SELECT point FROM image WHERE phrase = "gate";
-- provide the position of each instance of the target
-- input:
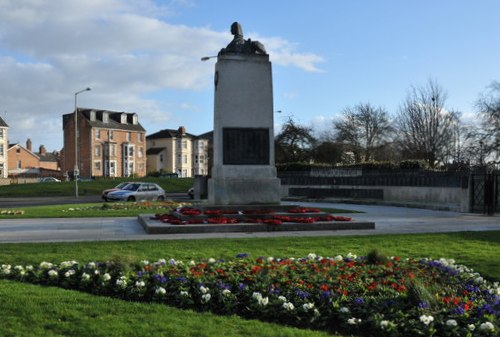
(485, 193)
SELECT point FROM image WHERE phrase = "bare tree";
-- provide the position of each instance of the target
(294, 143)
(425, 128)
(363, 129)
(488, 136)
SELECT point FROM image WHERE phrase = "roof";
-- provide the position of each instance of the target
(114, 120)
(12, 146)
(48, 157)
(2, 123)
(154, 151)
(207, 135)
(168, 133)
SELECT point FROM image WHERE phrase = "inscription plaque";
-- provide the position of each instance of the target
(245, 146)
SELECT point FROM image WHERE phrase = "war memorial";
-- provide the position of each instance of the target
(244, 191)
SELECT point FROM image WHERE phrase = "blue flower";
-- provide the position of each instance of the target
(359, 301)
(242, 255)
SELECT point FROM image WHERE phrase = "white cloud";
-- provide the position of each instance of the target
(123, 49)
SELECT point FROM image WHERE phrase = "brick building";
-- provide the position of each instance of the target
(176, 151)
(4, 146)
(23, 161)
(110, 144)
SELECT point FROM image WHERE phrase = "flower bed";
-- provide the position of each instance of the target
(366, 296)
(216, 216)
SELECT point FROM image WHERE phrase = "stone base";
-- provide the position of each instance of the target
(244, 191)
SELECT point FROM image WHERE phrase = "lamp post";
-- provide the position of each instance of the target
(76, 171)
(206, 58)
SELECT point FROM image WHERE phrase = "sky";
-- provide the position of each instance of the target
(144, 56)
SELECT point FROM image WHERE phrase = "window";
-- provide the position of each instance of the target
(110, 134)
(1, 133)
(161, 158)
(112, 150)
(97, 165)
(141, 167)
(141, 138)
(1, 150)
(129, 136)
(105, 117)
(97, 133)
(97, 150)
(18, 150)
(18, 165)
(184, 144)
(131, 151)
(184, 159)
(140, 152)
(202, 159)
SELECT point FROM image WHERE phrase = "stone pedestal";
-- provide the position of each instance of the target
(243, 169)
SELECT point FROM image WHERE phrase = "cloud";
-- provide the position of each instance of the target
(125, 50)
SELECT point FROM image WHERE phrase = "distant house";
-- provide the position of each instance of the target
(23, 161)
(176, 151)
(110, 144)
(4, 146)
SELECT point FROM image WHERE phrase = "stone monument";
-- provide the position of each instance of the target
(243, 171)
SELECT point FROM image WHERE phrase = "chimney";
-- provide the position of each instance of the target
(28, 144)
(182, 131)
(42, 150)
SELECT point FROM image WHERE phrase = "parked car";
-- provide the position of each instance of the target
(191, 193)
(138, 191)
(120, 186)
(49, 180)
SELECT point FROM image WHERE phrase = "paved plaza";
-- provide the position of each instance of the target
(388, 220)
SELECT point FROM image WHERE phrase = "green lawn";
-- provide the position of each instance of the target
(28, 310)
(173, 185)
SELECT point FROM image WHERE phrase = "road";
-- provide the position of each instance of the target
(40, 201)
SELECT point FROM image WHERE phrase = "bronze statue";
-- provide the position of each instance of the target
(241, 46)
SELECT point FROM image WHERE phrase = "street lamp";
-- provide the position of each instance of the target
(76, 171)
(206, 58)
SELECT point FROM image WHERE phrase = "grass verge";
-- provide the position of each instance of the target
(29, 310)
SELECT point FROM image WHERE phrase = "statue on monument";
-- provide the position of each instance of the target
(241, 46)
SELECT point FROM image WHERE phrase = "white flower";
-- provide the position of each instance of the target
(487, 327)
(69, 273)
(226, 292)
(282, 298)
(91, 265)
(140, 284)
(451, 322)
(471, 327)
(66, 264)
(385, 324)
(288, 306)
(204, 290)
(270, 259)
(29, 267)
(351, 256)
(172, 262)
(211, 260)
(184, 293)
(122, 282)
(106, 277)
(205, 298)
(5, 269)
(144, 262)
(52, 273)
(162, 262)
(353, 321)
(96, 272)
(192, 263)
(257, 295)
(344, 310)
(46, 265)
(311, 256)
(19, 268)
(426, 319)
(338, 258)
(307, 306)
(160, 291)
(85, 277)
(263, 301)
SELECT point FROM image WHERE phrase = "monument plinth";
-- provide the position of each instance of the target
(243, 170)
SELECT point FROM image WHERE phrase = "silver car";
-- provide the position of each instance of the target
(138, 191)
